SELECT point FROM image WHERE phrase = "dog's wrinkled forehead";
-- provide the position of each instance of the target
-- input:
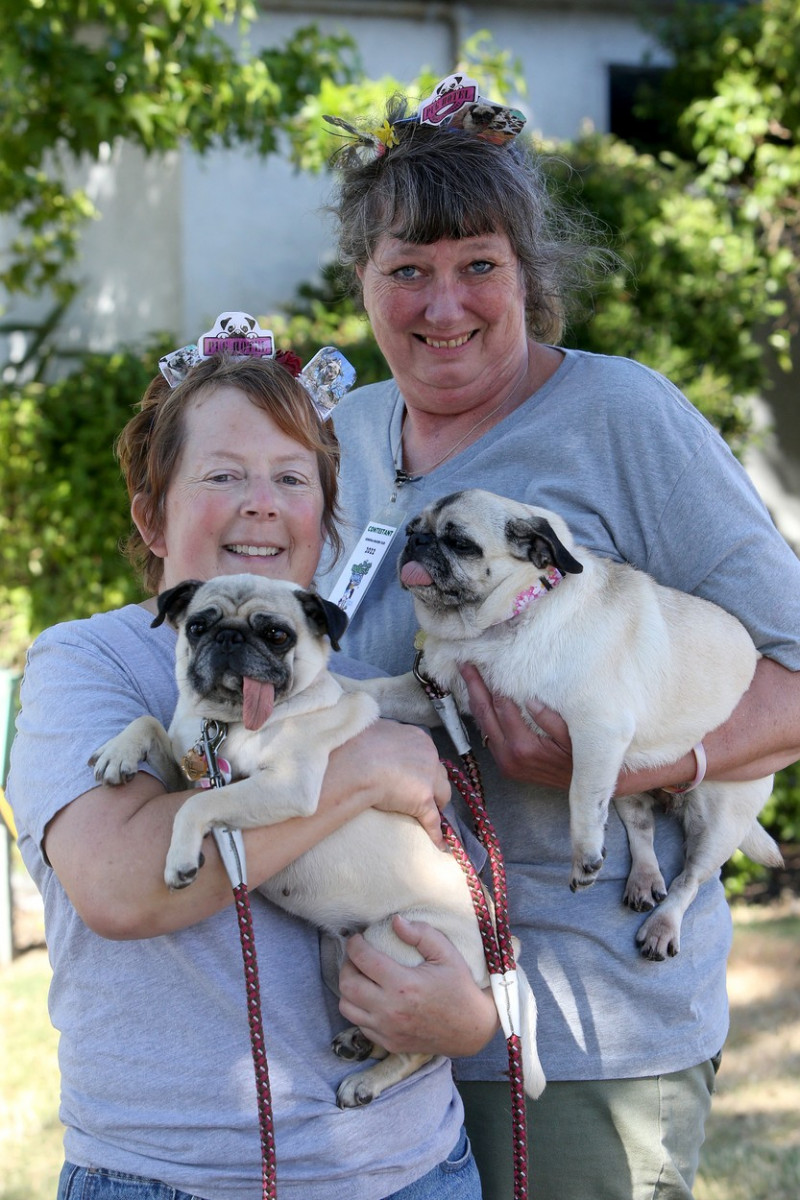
(471, 513)
(241, 596)
(250, 600)
(474, 524)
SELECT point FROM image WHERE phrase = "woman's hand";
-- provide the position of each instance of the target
(520, 752)
(395, 768)
(432, 1008)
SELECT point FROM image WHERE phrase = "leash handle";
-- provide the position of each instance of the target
(445, 706)
(230, 844)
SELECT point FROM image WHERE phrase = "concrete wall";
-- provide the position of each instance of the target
(180, 240)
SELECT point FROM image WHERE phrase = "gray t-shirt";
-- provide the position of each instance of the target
(154, 1050)
(641, 477)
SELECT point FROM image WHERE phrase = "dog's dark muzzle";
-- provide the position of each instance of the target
(418, 544)
(230, 652)
(228, 639)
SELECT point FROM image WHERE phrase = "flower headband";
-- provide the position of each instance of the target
(454, 104)
(326, 377)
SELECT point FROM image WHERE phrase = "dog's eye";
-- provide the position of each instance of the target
(195, 628)
(276, 636)
(463, 546)
(272, 631)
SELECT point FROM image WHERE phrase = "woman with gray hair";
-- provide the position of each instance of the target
(468, 269)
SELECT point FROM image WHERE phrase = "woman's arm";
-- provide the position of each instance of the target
(760, 737)
(108, 847)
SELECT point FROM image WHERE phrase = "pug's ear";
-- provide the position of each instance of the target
(535, 539)
(172, 604)
(323, 616)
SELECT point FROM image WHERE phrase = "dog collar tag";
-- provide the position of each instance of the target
(194, 765)
(362, 565)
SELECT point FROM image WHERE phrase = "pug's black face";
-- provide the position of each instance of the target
(463, 547)
(441, 561)
(246, 641)
(227, 647)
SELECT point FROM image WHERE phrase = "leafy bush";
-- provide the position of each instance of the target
(324, 314)
(781, 817)
(64, 508)
(694, 290)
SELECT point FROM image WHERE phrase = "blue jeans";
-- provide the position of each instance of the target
(95, 1183)
(454, 1179)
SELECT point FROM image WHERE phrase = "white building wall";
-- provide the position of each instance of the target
(180, 240)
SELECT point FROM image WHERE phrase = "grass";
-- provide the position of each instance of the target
(30, 1131)
(752, 1150)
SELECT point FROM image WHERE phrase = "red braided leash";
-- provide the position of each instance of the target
(497, 944)
(245, 918)
(231, 848)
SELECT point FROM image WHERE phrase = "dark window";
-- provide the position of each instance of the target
(633, 108)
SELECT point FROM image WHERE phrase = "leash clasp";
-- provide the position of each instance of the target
(212, 735)
(230, 842)
(445, 706)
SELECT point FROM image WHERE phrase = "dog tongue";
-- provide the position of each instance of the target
(413, 574)
(258, 701)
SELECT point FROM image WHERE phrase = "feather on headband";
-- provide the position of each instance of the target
(454, 104)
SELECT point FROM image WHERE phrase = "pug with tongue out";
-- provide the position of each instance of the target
(252, 655)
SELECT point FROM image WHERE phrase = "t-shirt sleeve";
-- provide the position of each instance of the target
(76, 693)
(717, 539)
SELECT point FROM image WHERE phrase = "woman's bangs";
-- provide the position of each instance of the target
(442, 214)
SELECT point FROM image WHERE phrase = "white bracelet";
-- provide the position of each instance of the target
(699, 752)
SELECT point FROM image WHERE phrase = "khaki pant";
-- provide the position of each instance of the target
(618, 1139)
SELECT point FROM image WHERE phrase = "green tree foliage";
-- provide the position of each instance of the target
(64, 513)
(692, 288)
(733, 99)
(75, 74)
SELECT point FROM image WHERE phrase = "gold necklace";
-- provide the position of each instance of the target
(401, 476)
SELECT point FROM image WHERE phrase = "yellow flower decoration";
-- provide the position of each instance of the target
(387, 135)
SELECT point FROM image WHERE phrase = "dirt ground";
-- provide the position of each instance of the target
(752, 1150)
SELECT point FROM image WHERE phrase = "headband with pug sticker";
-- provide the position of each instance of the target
(326, 377)
(454, 104)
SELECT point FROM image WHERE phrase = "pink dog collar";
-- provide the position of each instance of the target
(551, 578)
